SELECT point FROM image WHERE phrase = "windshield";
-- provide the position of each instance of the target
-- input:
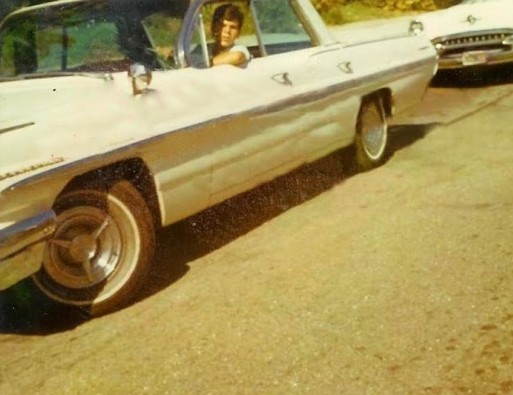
(98, 36)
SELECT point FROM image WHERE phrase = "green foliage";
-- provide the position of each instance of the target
(446, 3)
(344, 11)
(327, 5)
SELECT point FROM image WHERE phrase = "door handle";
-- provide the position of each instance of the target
(282, 78)
(346, 67)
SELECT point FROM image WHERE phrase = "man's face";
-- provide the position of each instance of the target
(227, 33)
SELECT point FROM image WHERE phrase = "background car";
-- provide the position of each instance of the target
(472, 33)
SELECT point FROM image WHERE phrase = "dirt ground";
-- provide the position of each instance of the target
(395, 281)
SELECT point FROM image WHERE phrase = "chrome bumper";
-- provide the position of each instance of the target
(481, 58)
(22, 246)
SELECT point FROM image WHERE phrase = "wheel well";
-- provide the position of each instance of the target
(388, 101)
(133, 170)
(388, 104)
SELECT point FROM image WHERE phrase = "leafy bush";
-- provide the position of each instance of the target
(421, 5)
(344, 11)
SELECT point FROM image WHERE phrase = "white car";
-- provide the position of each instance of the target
(112, 124)
(473, 33)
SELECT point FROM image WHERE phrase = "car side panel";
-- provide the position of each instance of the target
(295, 120)
(188, 158)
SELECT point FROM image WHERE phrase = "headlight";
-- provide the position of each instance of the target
(416, 27)
(508, 41)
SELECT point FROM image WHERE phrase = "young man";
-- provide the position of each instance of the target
(226, 26)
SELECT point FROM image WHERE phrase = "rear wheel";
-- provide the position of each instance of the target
(101, 250)
(371, 133)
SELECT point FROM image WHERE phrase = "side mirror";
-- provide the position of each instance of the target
(140, 77)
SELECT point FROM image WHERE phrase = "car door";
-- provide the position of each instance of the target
(295, 113)
(250, 140)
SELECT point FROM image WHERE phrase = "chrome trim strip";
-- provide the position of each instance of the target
(30, 168)
(16, 127)
(506, 31)
(456, 62)
(21, 235)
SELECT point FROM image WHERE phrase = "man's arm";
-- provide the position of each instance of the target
(236, 56)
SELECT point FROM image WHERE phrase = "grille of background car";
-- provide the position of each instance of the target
(477, 41)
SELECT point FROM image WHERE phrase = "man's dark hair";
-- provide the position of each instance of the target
(227, 12)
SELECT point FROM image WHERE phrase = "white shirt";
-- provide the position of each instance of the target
(243, 49)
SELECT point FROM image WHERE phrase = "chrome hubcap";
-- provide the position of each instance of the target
(82, 248)
(374, 134)
(85, 249)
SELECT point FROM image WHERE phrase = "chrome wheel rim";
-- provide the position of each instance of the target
(93, 252)
(85, 248)
(374, 133)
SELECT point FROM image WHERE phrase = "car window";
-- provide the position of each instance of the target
(18, 55)
(280, 27)
(64, 43)
(103, 36)
(163, 29)
(270, 27)
(86, 46)
(201, 44)
(12, 59)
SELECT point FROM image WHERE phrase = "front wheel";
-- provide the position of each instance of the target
(101, 250)
(371, 133)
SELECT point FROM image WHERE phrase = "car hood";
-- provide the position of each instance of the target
(54, 131)
(467, 18)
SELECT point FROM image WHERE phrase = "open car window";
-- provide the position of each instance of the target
(201, 45)
(269, 28)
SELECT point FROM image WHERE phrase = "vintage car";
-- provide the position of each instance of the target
(112, 124)
(474, 33)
